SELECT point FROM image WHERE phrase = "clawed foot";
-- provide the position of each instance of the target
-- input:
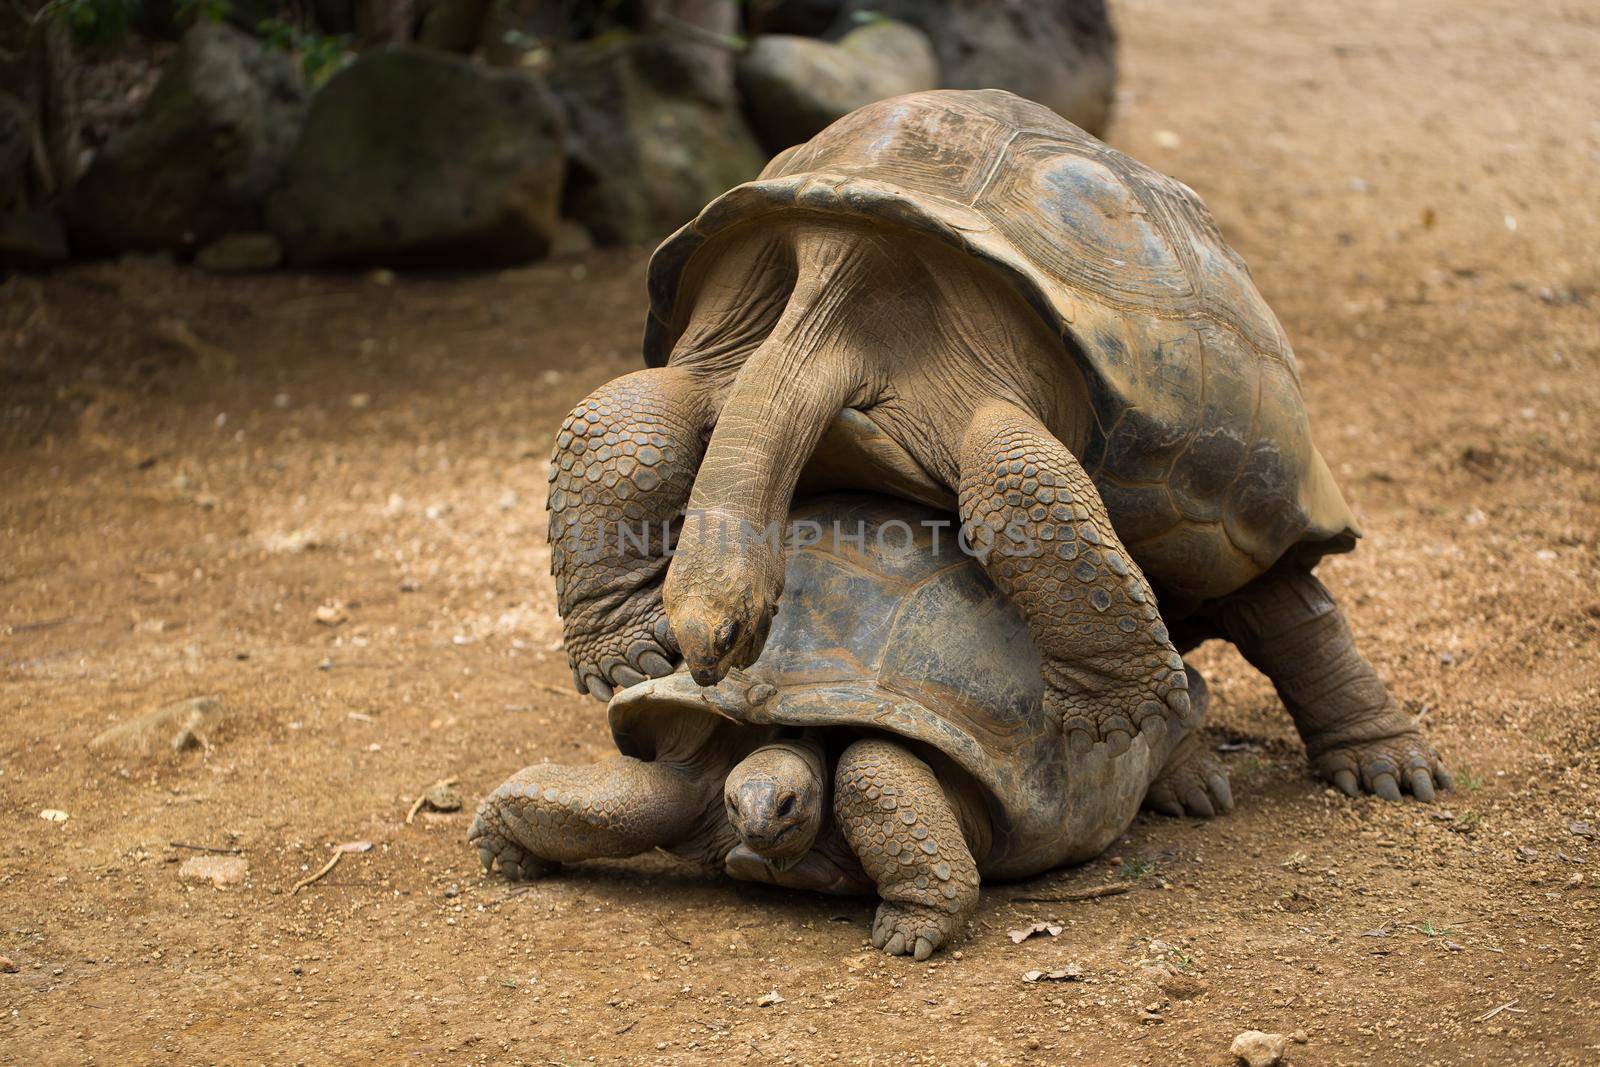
(604, 660)
(1197, 786)
(1088, 718)
(914, 930)
(1386, 766)
(490, 836)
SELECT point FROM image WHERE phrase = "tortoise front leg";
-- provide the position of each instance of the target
(1043, 535)
(908, 838)
(624, 462)
(549, 814)
(1288, 626)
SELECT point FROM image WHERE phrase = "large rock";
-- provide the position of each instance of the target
(39, 136)
(794, 86)
(647, 148)
(410, 156)
(212, 140)
(1060, 54)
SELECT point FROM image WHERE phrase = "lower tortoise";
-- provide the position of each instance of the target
(892, 737)
(961, 299)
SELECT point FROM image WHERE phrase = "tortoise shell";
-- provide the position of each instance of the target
(889, 626)
(1201, 448)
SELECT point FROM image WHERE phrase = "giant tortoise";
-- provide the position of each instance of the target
(900, 681)
(962, 299)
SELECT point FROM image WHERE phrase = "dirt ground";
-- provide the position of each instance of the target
(192, 466)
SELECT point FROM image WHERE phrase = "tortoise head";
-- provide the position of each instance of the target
(777, 798)
(720, 594)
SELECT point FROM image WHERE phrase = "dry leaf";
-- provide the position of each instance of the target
(1019, 936)
(1070, 973)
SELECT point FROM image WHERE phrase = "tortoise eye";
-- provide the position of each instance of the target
(786, 805)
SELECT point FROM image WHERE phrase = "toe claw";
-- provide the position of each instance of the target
(1347, 783)
(600, 689)
(654, 664)
(1198, 803)
(1117, 741)
(923, 950)
(896, 945)
(1221, 792)
(1385, 786)
(625, 676)
(1442, 777)
(1422, 786)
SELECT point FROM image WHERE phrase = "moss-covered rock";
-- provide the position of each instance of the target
(212, 140)
(647, 148)
(794, 86)
(1061, 54)
(411, 156)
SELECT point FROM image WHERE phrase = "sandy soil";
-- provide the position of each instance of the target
(193, 466)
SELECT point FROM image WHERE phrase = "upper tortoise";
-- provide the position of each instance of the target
(961, 298)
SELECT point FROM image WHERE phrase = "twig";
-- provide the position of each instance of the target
(416, 805)
(555, 690)
(326, 867)
(1110, 890)
(208, 848)
(1510, 1005)
(675, 937)
(46, 624)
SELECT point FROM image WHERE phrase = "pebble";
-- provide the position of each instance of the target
(7, 965)
(54, 815)
(1257, 1049)
(220, 871)
(443, 798)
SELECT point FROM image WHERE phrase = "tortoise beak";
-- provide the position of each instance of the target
(710, 651)
(762, 818)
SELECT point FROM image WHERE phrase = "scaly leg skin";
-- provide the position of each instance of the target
(1288, 626)
(549, 814)
(623, 465)
(1110, 669)
(893, 812)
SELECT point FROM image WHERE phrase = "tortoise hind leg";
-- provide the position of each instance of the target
(623, 465)
(1110, 669)
(1288, 626)
(549, 814)
(908, 837)
(1194, 781)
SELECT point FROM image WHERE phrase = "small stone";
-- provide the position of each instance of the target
(442, 798)
(7, 966)
(767, 1000)
(1257, 1049)
(1299, 1037)
(220, 871)
(332, 613)
(54, 815)
(1168, 139)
